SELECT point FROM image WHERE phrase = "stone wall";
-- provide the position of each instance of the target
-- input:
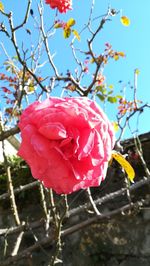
(123, 240)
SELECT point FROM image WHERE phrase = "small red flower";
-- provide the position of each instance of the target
(100, 79)
(62, 5)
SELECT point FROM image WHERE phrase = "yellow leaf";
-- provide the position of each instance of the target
(121, 54)
(66, 32)
(125, 21)
(31, 88)
(125, 165)
(92, 60)
(76, 34)
(116, 57)
(137, 71)
(111, 86)
(115, 125)
(110, 161)
(71, 22)
(1, 6)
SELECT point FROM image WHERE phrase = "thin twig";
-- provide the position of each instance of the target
(110, 196)
(92, 202)
(10, 188)
(53, 208)
(12, 196)
(17, 244)
(123, 128)
(44, 205)
(20, 189)
(24, 226)
(26, 16)
(140, 153)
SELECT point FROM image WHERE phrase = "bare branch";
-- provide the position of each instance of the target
(17, 244)
(44, 205)
(24, 226)
(20, 189)
(26, 16)
(8, 133)
(140, 153)
(92, 202)
(80, 209)
(110, 196)
(12, 196)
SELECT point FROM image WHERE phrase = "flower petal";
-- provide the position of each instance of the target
(53, 131)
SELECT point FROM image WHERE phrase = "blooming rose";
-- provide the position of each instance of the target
(61, 5)
(67, 142)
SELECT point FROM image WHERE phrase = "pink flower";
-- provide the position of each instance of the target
(100, 79)
(67, 142)
(62, 5)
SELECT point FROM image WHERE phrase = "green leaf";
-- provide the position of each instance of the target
(112, 99)
(119, 96)
(101, 88)
(66, 32)
(101, 97)
(1, 6)
(15, 57)
(76, 34)
(110, 92)
(8, 68)
(70, 22)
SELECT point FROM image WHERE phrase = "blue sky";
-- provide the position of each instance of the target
(133, 40)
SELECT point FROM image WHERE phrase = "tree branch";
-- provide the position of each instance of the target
(8, 133)
(26, 16)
